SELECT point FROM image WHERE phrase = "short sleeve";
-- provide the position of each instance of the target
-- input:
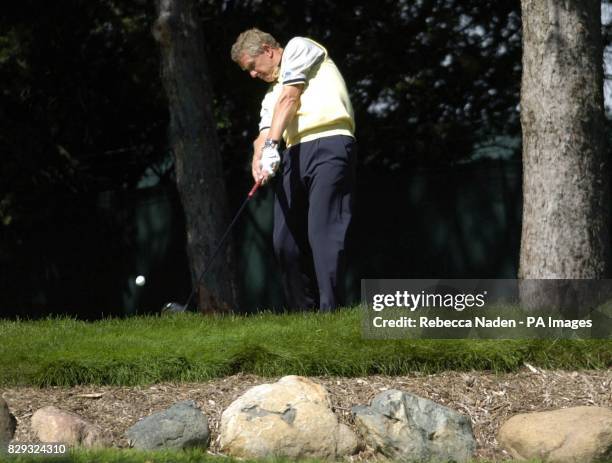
(299, 56)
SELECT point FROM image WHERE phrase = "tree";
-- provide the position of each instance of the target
(79, 112)
(193, 140)
(566, 204)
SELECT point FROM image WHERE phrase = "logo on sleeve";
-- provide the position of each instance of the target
(287, 75)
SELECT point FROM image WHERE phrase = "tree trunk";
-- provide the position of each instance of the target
(565, 232)
(194, 142)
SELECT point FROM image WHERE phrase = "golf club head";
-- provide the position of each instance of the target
(173, 307)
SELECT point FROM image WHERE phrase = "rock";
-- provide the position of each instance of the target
(51, 424)
(578, 434)
(8, 424)
(181, 426)
(405, 427)
(290, 418)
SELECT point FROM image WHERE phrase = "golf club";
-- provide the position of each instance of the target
(175, 306)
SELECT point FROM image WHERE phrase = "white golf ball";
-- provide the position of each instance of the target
(140, 280)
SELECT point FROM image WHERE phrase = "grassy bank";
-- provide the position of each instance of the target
(190, 347)
(164, 456)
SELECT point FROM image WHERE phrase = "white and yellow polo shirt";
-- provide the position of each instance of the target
(325, 108)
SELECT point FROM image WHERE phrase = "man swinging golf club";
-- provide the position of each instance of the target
(307, 104)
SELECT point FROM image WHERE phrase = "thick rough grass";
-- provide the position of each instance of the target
(191, 347)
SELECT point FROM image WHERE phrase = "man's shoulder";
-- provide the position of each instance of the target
(299, 57)
(297, 41)
(299, 44)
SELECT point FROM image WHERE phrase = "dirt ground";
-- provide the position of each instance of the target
(487, 398)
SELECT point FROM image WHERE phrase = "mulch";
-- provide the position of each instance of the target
(487, 398)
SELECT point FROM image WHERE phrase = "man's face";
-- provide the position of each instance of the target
(262, 66)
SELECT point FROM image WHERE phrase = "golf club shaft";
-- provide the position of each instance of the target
(223, 238)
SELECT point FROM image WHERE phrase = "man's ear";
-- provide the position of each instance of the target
(267, 49)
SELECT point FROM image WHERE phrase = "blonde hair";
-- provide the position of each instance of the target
(251, 42)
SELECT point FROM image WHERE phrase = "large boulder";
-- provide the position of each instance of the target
(8, 424)
(405, 427)
(51, 424)
(290, 418)
(181, 426)
(576, 435)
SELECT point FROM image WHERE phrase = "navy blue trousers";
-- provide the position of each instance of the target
(312, 214)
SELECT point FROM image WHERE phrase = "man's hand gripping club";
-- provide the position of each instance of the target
(266, 158)
(270, 160)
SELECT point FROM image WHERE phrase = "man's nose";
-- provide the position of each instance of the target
(253, 74)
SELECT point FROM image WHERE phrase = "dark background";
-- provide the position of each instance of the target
(87, 195)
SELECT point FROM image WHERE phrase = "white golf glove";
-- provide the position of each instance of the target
(270, 158)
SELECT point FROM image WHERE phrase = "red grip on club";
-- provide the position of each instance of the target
(254, 189)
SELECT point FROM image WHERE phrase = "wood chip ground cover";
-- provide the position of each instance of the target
(487, 398)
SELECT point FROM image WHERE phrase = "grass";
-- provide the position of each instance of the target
(190, 347)
(161, 456)
(122, 456)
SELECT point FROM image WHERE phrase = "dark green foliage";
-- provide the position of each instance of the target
(82, 108)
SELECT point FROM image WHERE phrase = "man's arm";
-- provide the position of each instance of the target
(284, 110)
(257, 147)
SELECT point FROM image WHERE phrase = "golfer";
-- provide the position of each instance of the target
(307, 105)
